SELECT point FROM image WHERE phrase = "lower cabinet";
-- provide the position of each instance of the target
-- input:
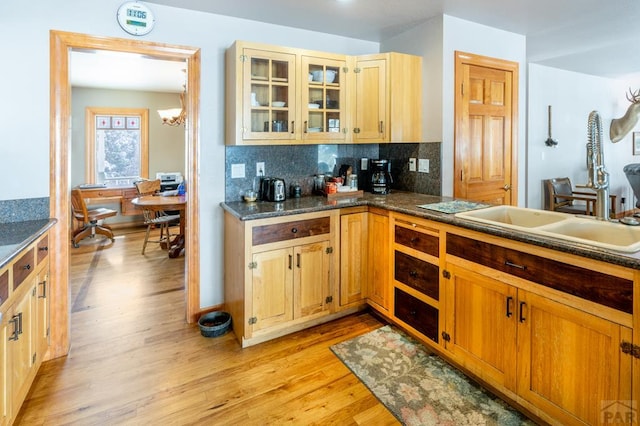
(562, 361)
(24, 325)
(378, 265)
(289, 284)
(354, 255)
(281, 274)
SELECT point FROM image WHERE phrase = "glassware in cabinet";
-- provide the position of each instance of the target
(323, 98)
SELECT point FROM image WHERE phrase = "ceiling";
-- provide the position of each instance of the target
(588, 36)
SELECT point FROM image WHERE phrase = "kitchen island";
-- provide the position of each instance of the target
(523, 313)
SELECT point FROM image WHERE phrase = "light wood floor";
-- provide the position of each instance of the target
(134, 360)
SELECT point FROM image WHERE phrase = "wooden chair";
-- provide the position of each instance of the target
(89, 219)
(560, 196)
(156, 218)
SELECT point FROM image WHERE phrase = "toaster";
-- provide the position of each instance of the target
(272, 189)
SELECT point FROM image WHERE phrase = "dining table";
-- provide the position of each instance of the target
(166, 203)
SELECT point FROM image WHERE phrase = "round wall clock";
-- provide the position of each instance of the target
(135, 18)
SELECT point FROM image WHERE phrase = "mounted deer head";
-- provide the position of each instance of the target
(623, 125)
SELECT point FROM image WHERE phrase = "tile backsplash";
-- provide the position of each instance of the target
(297, 164)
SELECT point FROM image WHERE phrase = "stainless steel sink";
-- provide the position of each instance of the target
(580, 229)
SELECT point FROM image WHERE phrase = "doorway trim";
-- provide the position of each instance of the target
(59, 169)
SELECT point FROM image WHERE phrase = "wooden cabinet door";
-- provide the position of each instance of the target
(272, 289)
(371, 101)
(353, 257)
(311, 279)
(570, 362)
(5, 378)
(268, 77)
(324, 99)
(42, 328)
(21, 347)
(480, 321)
(379, 285)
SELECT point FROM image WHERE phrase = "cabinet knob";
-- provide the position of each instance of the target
(26, 267)
(413, 274)
(44, 248)
(294, 230)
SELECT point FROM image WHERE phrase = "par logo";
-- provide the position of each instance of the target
(619, 413)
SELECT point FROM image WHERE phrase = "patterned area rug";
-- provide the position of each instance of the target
(418, 387)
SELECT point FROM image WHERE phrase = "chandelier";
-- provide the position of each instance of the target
(174, 116)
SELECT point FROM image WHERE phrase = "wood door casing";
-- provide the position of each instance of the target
(486, 99)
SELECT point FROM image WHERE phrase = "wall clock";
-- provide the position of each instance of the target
(135, 18)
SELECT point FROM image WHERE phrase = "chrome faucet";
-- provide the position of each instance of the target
(598, 176)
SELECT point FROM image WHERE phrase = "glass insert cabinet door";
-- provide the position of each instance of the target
(323, 99)
(269, 95)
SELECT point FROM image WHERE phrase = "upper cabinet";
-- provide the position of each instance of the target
(280, 95)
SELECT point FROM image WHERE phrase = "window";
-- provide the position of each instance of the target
(117, 145)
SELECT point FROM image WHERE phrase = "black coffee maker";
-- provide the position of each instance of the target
(380, 179)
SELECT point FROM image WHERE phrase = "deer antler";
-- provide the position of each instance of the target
(635, 96)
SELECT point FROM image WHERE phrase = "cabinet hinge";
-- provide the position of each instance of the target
(243, 58)
(253, 320)
(253, 265)
(329, 250)
(329, 299)
(630, 348)
(446, 274)
(446, 337)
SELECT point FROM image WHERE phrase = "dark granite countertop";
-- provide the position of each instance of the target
(408, 202)
(16, 236)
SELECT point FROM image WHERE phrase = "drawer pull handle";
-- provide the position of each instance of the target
(522, 305)
(298, 260)
(414, 240)
(515, 265)
(44, 248)
(26, 267)
(413, 274)
(294, 230)
(290, 261)
(413, 313)
(509, 300)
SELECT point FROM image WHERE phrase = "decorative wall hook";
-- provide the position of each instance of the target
(550, 141)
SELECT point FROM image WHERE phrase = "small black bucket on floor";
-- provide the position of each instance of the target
(214, 324)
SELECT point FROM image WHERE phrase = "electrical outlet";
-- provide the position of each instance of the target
(412, 164)
(237, 171)
(260, 169)
(423, 165)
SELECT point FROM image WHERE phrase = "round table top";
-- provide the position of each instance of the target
(168, 203)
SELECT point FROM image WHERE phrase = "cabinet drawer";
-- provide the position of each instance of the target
(417, 314)
(102, 193)
(4, 286)
(290, 230)
(417, 240)
(43, 249)
(22, 268)
(417, 274)
(598, 287)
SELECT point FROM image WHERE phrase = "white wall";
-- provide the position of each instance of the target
(24, 143)
(572, 97)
